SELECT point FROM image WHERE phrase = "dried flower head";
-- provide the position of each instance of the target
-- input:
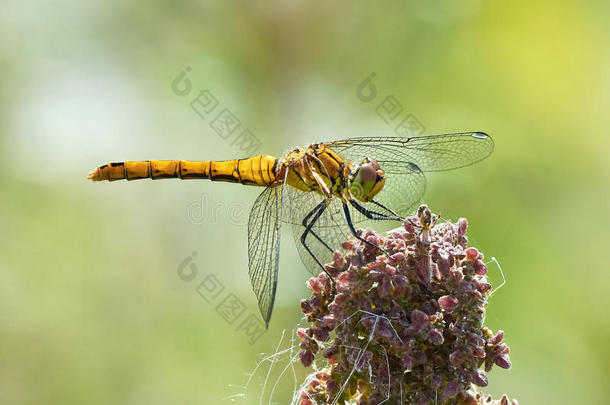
(403, 329)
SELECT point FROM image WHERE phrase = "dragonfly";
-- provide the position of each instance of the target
(323, 191)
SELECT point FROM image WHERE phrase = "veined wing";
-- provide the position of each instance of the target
(430, 153)
(404, 161)
(264, 247)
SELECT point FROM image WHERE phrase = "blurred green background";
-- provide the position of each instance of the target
(93, 310)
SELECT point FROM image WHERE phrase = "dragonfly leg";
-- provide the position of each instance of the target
(377, 216)
(397, 217)
(381, 217)
(316, 212)
(394, 214)
(306, 219)
(360, 238)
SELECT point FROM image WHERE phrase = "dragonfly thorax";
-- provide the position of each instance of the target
(319, 169)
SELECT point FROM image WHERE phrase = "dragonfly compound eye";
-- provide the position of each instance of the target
(367, 180)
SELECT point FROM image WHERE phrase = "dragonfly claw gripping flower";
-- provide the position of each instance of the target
(403, 329)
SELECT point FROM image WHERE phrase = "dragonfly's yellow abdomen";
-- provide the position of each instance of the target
(258, 170)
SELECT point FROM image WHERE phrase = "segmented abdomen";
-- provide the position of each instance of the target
(258, 170)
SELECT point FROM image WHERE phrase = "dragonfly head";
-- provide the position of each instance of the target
(366, 180)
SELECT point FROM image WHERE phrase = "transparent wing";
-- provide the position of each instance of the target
(329, 231)
(430, 153)
(264, 247)
(404, 161)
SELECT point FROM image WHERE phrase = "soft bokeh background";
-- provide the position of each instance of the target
(93, 310)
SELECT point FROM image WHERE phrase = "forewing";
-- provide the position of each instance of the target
(429, 153)
(264, 247)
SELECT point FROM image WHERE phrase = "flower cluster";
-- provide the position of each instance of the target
(404, 326)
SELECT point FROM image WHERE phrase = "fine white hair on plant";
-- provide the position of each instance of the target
(292, 359)
(360, 353)
(503, 278)
(377, 317)
(288, 354)
(493, 291)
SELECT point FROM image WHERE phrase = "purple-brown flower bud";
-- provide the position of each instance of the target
(306, 357)
(436, 337)
(480, 379)
(503, 361)
(451, 390)
(448, 302)
(314, 285)
(472, 254)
